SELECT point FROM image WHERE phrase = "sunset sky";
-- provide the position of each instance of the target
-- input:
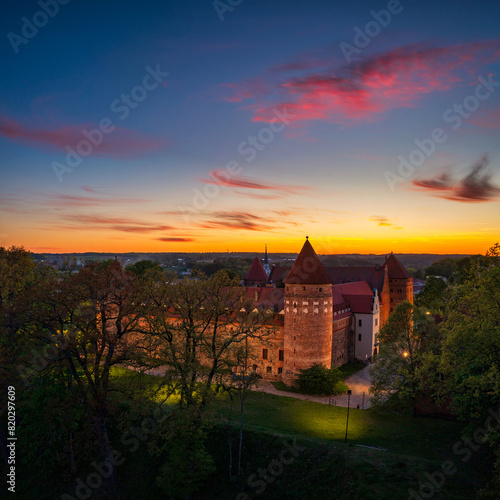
(155, 126)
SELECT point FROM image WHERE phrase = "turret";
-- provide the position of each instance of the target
(308, 315)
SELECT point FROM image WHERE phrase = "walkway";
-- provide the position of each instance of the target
(359, 383)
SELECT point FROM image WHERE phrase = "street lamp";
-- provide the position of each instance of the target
(347, 422)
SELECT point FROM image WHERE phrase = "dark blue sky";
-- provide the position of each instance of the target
(160, 178)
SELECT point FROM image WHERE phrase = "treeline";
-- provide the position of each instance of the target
(444, 351)
(74, 346)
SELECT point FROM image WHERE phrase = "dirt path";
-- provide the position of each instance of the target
(359, 383)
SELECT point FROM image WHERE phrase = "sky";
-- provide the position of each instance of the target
(370, 126)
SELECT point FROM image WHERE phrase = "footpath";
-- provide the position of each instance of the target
(359, 383)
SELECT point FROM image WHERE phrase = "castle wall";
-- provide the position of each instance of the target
(342, 348)
(399, 291)
(307, 328)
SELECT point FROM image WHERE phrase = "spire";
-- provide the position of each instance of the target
(308, 269)
(266, 263)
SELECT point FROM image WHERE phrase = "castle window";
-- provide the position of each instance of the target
(321, 289)
(264, 353)
(360, 322)
(359, 337)
(269, 370)
(376, 321)
(391, 290)
(391, 301)
(280, 370)
(295, 304)
(281, 355)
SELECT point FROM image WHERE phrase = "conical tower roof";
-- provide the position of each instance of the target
(256, 271)
(308, 269)
(396, 269)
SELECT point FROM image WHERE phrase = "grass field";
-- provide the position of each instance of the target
(415, 447)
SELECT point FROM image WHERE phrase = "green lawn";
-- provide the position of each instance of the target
(415, 446)
(426, 438)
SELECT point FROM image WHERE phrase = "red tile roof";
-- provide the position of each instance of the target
(372, 275)
(308, 269)
(256, 271)
(356, 295)
(396, 269)
(359, 303)
(264, 297)
(277, 273)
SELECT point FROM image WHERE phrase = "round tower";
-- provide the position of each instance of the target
(308, 317)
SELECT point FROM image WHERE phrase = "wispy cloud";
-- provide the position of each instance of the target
(476, 186)
(222, 178)
(376, 84)
(486, 118)
(121, 142)
(66, 200)
(167, 239)
(380, 220)
(237, 220)
(102, 222)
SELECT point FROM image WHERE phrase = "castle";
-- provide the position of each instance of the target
(327, 315)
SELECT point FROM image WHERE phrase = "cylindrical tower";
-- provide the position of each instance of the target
(308, 315)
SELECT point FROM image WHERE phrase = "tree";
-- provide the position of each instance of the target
(142, 267)
(442, 267)
(408, 333)
(194, 330)
(470, 359)
(89, 317)
(432, 295)
(18, 275)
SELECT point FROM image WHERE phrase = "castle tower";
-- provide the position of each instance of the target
(256, 275)
(400, 282)
(308, 317)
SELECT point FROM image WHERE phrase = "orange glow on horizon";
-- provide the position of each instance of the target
(460, 244)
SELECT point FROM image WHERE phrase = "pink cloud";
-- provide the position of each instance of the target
(238, 220)
(486, 119)
(121, 142)
(222, 178)
(376, 84)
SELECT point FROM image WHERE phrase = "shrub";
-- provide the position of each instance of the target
(319, 380)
